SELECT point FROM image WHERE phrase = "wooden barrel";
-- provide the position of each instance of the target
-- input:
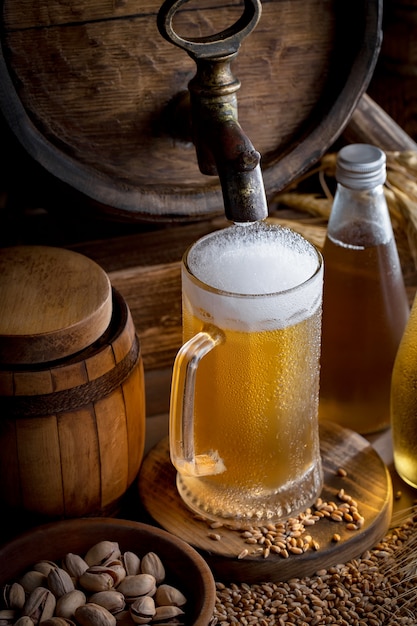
(72, 430)
(92, 92)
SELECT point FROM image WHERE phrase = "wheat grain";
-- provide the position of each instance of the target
(376, 589)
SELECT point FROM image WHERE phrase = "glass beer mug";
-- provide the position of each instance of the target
(244, 399)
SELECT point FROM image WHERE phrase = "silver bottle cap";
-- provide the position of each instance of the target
(361, 166)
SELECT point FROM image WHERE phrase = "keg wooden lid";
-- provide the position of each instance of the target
(53, 303)
(93, 92)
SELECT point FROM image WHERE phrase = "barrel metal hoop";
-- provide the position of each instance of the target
(68, 400)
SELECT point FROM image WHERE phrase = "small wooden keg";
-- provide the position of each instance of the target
(72, 407)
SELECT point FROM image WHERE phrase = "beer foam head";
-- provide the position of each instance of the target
(255, 273)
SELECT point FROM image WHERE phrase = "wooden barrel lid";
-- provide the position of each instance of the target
(53, 303)
(89, 89)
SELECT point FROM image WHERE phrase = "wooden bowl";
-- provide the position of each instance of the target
(185, 568)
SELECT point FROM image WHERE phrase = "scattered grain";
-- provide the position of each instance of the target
(244, 553)
(216, 525)
(375, 589)
(289, 537)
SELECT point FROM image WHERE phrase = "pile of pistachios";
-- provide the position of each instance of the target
(105, 587)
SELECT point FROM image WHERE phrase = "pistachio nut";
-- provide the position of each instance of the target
(24, 620)
(165, 613)
(58, 621)
(123, 618)
(133, 587)
(102, 552)
(116, 569)
(142, 610)
(44, 566)
(112, 600)
(152, 564)
(67, 604)
(169, 595)
(94, 615)
(96, 578)
(39, 605)
(59, 582)
(7, 617)
(131, 561)
(32, 579)
(14, 596)
(74, 564)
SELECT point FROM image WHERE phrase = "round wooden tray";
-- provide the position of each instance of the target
(368, 482)
(89, 89)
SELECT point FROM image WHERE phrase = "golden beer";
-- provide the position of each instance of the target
(255, 402)
(404, 403)
(364, 316)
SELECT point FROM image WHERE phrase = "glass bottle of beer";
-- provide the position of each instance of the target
(365, 305)
(404, 403)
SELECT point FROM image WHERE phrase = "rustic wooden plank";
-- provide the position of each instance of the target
(157, 391)
(371, 124)
(143, 247)
(154, 298)
(394, 82)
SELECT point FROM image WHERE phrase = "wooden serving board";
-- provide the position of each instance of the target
(367, 481)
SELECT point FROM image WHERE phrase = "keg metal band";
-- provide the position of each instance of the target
(72, 399)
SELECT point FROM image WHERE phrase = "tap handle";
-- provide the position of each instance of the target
(224, 43)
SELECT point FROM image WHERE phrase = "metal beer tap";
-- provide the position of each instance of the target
(222, 147)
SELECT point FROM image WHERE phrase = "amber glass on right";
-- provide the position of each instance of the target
(404, 403)
(365, 305)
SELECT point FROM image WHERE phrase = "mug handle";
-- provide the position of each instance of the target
(181, 418)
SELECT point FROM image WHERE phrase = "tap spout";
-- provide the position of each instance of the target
(222, 147)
